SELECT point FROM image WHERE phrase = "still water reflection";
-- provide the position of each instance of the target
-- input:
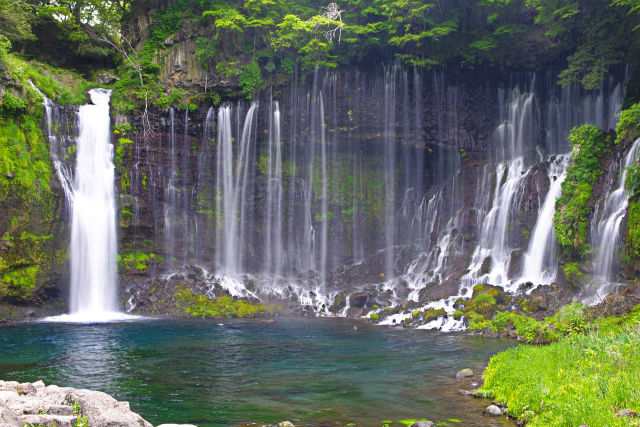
(213, 374)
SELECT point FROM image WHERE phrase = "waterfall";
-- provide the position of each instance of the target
(202, 189)
(93, 292)
(539, 263)
(389, 168)
(232, 172)
(605, 233)
(273, 249)
(491, 259)
(171, 193)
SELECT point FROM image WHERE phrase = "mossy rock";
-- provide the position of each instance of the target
(432, 314)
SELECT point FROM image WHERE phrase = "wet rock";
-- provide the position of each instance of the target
(464, 373)
(486, 266)
(286, 424)
(493, 411)
(423, 424)
(467, 393)
(339, 302)
(107, 78)
(358, 299)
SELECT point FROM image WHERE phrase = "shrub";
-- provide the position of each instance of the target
(628, 126)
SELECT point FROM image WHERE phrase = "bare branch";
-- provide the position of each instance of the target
(332, 14)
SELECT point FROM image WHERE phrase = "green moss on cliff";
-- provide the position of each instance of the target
(588, 146)
(198, 305)
(31, 211)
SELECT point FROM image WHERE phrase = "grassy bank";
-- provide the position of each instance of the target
(583, 379)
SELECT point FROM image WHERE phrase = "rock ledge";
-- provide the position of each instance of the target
(37, 404)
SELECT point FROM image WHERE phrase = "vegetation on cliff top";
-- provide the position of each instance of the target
(258, 42)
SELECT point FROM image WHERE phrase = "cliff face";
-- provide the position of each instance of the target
(33, 225)
(390, 183)
(338, 191)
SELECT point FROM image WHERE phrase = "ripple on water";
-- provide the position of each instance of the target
(213, 374)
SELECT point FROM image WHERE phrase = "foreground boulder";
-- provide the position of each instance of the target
(37, 404)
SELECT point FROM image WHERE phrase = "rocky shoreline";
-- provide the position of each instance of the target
(36, 404)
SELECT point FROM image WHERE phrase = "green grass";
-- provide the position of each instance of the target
(583, 379)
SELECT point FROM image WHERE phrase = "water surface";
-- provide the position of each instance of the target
(212, 373)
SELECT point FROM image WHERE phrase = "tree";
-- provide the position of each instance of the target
(15, 18)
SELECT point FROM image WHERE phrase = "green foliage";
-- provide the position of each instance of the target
(250, 79)
(628, 125)
(19, 284)
(432, 314)
(222, 307)
(633, 229)
(206, 50)
(572, 273)
(588, 145)
(580, 380)
(483, 304)
(137, 261)
(15, 20)
(81, 420)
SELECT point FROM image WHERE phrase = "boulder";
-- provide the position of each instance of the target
(358, 299)
(8, 418)
(103, 410)
(286, 424)
(423, 424)
(493, 411)
(464, 373)
(107, 78)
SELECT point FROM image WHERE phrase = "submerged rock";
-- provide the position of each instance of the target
(464, 373)
(423, 424)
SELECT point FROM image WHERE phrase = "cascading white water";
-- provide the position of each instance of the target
(512, 135)
(540, 265)
(232, 182)
(605, 233)
(274, 219)
(93, 292)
